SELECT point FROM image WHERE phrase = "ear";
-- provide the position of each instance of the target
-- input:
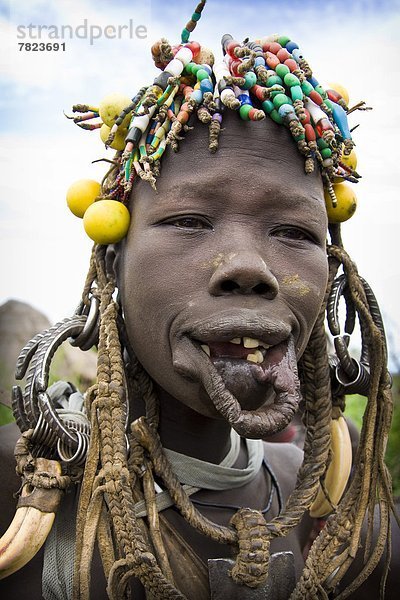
(112, 260)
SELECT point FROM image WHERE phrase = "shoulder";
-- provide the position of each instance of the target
(284, 461)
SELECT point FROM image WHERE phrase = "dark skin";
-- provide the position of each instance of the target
(211, 223)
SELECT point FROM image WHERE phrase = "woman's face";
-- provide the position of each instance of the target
(228, 256)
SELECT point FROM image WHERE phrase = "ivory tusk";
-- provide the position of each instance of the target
(30, 526)
(338, 472)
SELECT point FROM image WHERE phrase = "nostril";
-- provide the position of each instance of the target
(261, 288)
(229, 286)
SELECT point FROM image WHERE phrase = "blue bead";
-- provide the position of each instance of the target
(197, 96)
(297, 54)
(340, 117)
(259, 61)
(206, 86)
(313, 81)
(244, 99)
(290, 46)
(286, 110)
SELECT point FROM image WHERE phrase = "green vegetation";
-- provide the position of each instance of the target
(355, 406)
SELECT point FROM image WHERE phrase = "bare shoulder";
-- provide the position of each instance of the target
(284, 460)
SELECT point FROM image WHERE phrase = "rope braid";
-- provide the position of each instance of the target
(253, 79)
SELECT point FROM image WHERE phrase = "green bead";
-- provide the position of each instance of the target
(328, 103)
(267, 106)
(280, 99)
(202, 74)
(185, 35)
(275, 116)
(321, 143)
(196, 16)
(274, 80)
(300, 137)
(250, 79)
(296, 92)
(306, 87)
(188, 69)
(283, 40)
(291, 80)
(244, 111)
(326, 153)
(195, 68)
(321, 91)
(282, 70)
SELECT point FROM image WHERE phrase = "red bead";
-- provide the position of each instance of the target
(307, 118)
(252, 114)
(275, 47)
(234, 66)
(323, 125)
(259, 92)
(266, 46)
(310, 133)
(183, 116)
(292, 64)
(175, 49)
(315, 97)
(194, 47)
(230, 48)
(334, 96)
(272, 60)
(188, 90)
(283, 55)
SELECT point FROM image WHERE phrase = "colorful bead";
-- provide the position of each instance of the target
(282, 70)
(283, 40)
(280, 99)
(250, 79)
(290, 46)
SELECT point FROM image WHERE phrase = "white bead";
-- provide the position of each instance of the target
(175, 67)
(225, 93)
(185, 55)
(141, 122)
(316, 113)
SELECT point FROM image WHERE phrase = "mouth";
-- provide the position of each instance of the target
(239, 348)
(239, 366)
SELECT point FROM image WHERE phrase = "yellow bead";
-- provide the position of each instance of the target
(111, 107)
(81, 194)
(340, 90)
(106, 221)
(118, 142)
(346, 203)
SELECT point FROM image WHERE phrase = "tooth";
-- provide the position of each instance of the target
(235, 341)
(250, 342)
(257, 357)
(205, 349)
(266, 346)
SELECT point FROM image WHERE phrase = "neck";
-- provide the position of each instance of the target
(185, 431)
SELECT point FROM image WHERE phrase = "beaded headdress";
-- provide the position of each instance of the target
(265, 78)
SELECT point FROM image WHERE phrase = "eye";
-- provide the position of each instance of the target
(189, 222)
(293, 233)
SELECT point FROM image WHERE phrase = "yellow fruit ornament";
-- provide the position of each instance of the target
(111, 107)
(106, 221)
(346, 203)
(81, 194)
(340, 90)
(118, 142)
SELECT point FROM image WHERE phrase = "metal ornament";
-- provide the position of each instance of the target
(54, 435)
(348, 375)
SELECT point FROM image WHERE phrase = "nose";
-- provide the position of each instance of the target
(243, 273)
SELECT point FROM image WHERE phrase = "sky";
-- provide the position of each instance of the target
(43, 246)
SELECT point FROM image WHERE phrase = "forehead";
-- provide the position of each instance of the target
(256, 165)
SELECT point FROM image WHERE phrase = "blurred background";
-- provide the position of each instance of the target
(43, 246)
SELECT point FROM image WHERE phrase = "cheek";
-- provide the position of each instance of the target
(304, 286)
